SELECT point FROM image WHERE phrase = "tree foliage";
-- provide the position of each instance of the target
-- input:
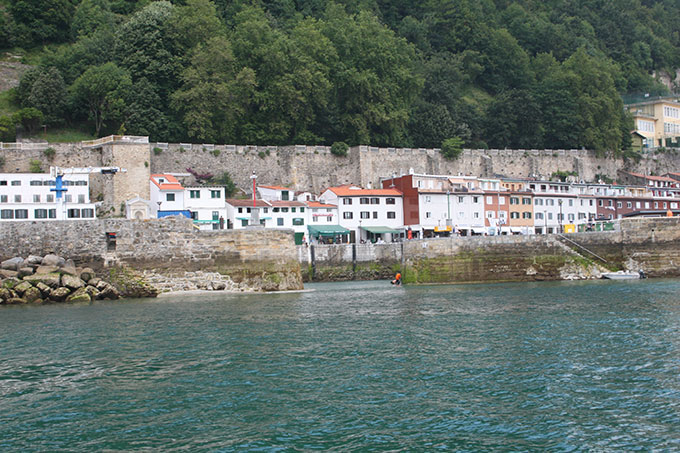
(510, 73)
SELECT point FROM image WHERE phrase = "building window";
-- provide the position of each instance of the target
(302, 209)
(475, 215)
(550, 216)
(539, 216)
(73, 213)
(36, 183)
(240, 210)
(194, 194)
(475, 199)
(284, 195)
(629, 204)
(292, 209)
(17, 198)
(375, 200)
(3, 183)
(363, 201)
(365, 215)
(284, 209)
(460, 199)
(298, 222)
(514, 200)
(265, 210)
(390, 201)
(40, 213)
(571, 202)
(6, 214)
(375, 214)
(169, 197)
(619, 204)
(428, 215)
(214, 194)
(391, 215)
(36, 198)
(21, 213)
(81, 198)
(346, 201)
(244, 223)
(526, 215)
(514, 215)
(428, 199)
(88, 213)
(16, 183)
(3, 198)
(347, 215)
(526, 200)
(52, 213)
(570, 217)
(216, 215)
(599, 202)
(279, 221)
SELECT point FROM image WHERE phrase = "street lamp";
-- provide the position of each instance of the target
(159, 209)
(545, 220)
(559, 202)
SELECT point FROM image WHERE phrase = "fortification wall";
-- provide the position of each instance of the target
(314, 167)
(262, 258)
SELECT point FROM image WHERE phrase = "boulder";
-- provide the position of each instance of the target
(46, 269)
(218, 286)
(59, 294)
(24, 271)
(32, 295)
(34, 259)
(13, 264)
(71, 281)
(69, 270)
(80, 295)
(44, 289)
(107, 291)
(87, 274)
(53, 260)
(22, 287)
(10, 283)
(94, 281)
(93, 292)
(52, 280)
(16, 301)
(5, 295)
(6, 273)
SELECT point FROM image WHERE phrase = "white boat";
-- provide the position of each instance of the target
(623, 275)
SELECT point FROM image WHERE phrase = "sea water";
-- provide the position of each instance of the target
(356, 366)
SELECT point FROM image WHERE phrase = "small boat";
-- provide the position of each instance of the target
(624, 275)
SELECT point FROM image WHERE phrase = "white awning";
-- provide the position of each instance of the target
(478, 230)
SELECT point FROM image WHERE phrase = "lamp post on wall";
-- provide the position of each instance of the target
(158, 213)
(559, 202)
(545, 220)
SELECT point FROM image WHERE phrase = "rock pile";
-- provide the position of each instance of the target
(50, 278)
(191, 281)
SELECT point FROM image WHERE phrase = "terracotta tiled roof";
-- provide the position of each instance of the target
(348, 191)
(170, 184)
(316, 204)
(286, 203)
(248, 203)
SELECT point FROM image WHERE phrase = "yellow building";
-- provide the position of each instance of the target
(657, 120)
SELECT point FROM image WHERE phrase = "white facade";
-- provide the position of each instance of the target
(467, 211)
(365, 208)
(166, 190)
(207, 206)
(27, 196)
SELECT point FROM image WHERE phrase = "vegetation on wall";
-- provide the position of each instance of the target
(516, 74)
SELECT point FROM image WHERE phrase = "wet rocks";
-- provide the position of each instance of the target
(51, 278)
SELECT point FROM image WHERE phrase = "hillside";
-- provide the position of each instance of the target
(515, 74)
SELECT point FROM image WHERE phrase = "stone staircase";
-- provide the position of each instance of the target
(575, 249)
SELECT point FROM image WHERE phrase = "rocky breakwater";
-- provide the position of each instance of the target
(51, 278)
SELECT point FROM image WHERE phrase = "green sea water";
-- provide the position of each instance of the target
(357, 366)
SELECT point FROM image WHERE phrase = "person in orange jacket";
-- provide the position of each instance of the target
(397, 279)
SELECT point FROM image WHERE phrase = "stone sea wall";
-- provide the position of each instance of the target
(652, 245)
(253, 259)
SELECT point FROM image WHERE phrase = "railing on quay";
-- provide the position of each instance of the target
(114, 138)
(24, 146)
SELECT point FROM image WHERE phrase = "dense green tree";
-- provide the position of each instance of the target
(101, 94)
(216, 93)
(41, 21)
(29, 118)
(48, 94)
(514, 121)
(142, 116)
(195, 23)
(90, 15)
(7, 129)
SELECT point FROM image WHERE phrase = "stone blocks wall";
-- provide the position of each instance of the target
(263, 258)
(649, 244)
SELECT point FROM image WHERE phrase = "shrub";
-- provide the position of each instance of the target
(226, 181)
(35, 166)
(339, 149)
(2, 161)
(452, 148)
(146, 164)
(49, 153)
(157, 150)
(215, 152)
(261, 154)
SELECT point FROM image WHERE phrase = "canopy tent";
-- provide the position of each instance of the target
(326, 230)
(380, 230)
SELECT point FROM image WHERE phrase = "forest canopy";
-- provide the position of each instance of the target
(493, 73)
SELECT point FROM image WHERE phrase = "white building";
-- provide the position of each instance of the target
(168, 194)
(206, 206)
(28, 196)
(371, 214)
